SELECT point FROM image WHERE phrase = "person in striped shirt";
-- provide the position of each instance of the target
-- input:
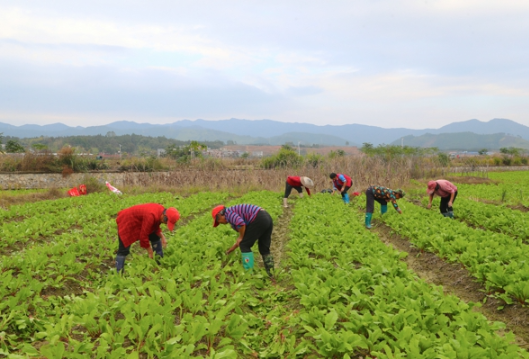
(297, 183)
(253, 224)
(382, 195)
(448, 193)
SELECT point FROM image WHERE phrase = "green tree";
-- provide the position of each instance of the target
(367, 148)
(314, 159)
(483, 151)
(185, 153)
(443, 158)
(286, 157)
(337, 153)
(13, 146)
(39, 147)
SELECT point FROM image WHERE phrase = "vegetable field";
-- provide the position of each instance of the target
(340, 290)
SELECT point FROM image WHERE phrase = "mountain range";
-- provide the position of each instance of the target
(251, 132)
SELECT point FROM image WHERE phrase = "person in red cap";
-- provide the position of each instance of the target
(142, 222)
(297, 183)
(253, 224)
(448, 193)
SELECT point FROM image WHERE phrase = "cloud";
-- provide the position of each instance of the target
(376, 62)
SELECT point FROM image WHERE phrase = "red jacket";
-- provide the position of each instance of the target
(338, 183)
(137, 222)
(295, 181)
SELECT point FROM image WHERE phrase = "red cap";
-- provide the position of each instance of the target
(172, 217)
(431, 187)
(214, 213)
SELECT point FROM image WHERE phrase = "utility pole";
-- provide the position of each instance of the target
(299, 150)
(120, 152)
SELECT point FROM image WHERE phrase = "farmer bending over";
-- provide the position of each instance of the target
(253, 224)
(448, 193)
(341, 183)
(382, 195)
(142, 222)
(297, 183)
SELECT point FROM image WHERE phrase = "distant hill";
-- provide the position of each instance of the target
(464, 141)
(497, 125)
(247, 132)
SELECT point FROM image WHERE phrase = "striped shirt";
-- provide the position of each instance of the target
(241, 215)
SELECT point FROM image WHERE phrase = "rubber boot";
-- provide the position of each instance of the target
(268, 261)
(247, 260)
(450, 214)
(285, 202)
(368, 220)
(383, 208)
(445, 214)
(157, 248)
(346, 198)
(301, 195)
(120, 262)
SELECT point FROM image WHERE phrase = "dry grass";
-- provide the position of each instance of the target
(239, 176)
(364, 171)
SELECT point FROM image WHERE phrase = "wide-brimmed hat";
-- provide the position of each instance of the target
(307, 182)
(214, 213)
(431, 187)
(172, 217)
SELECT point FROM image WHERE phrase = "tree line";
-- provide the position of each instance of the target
(109, 143)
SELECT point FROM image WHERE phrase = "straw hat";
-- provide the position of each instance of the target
(307, 182)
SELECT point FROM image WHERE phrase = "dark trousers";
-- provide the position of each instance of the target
(124, 251)
(288, 190)
(345, 190)
(370, 201)
(259, 230)
(443, 207)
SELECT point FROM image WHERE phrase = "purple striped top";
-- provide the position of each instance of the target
(241, 215)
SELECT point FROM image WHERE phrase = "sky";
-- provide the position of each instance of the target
(387, 63)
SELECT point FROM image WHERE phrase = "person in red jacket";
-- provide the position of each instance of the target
(341, 183)
(297, 183)
(142, 223)
(448, 193)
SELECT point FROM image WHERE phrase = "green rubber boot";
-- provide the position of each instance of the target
(368, 220)
(268, 261)
(451, 214)
(247, 261)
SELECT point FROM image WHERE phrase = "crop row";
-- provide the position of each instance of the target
(510, 188)
(497, 260)
(359, 298)
(169, 311)
(34, 279)
(493, 217)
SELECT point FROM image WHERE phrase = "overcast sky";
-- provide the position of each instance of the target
(387, 63)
